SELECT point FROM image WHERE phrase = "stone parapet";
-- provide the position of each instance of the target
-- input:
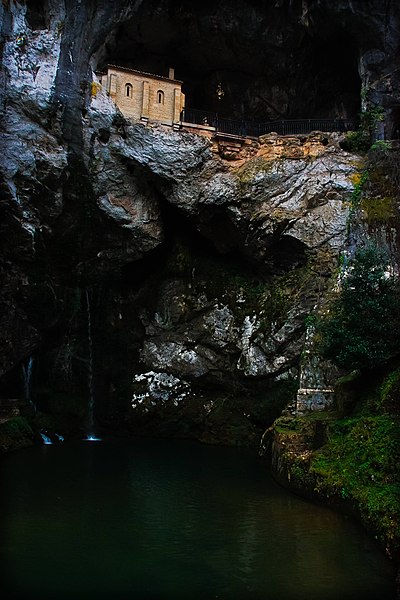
(314, 399)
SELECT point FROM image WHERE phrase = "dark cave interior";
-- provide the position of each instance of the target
(270, 63)
(269, 66)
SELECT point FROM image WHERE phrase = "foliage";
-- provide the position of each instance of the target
(15, 426)
(377, 186)
(389, 393)
(378, 210)
(381, 146)
(360, 141)
(359, 183)
(15, 433)
(361, 328)
(384, 162)
(360, 463)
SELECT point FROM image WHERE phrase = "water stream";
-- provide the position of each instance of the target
(27, 375)
(90, 367)
(173, 519)
(90, 436)
(46, 439)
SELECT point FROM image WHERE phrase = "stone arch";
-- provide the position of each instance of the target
(160, 97)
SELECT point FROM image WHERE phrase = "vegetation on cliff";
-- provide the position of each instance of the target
(348, 456)
(350, 460)
(361, 328)
(359, 463)
(15, 433)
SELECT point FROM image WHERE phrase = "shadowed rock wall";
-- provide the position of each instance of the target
(196, 272)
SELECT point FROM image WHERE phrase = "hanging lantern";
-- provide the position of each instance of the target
(219, 91)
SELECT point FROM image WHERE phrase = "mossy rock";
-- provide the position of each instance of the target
(379, 210)
(360, 463)
(258, 165)
(389, 393)
(16, 433)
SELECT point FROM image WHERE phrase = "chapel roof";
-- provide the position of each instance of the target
(137, 72)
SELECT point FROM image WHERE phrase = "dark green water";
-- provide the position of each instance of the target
(172, 519)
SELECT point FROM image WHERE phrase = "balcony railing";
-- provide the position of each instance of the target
(244, 128)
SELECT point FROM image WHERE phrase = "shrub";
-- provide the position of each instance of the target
(361, 328)
(361, 140)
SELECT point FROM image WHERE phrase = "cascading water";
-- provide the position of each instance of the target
(27, 375)
(90, 437)
(46, 440)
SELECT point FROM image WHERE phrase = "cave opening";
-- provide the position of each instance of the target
(36, 14)
(211, 241)
(187, 243)
(266, 63)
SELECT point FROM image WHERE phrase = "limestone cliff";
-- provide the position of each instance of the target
(195, 263)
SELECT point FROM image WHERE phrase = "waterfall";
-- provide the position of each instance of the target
(47, 441)
(91, 437)
(90, 366)
(27, 375)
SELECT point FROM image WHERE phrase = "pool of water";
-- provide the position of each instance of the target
(172, 519)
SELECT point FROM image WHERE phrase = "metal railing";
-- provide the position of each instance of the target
(244, 128)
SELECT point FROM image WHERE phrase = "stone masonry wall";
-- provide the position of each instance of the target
(144, 100)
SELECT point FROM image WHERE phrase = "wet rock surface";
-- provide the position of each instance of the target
(129, 249)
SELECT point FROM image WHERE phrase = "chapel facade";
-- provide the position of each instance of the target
(143, 96)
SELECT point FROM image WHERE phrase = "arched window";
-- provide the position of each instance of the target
(160, 97)
(128, 90)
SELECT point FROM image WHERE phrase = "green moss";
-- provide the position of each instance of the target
(389, 393)
(360, 463)
(15, 426)
(231, 283)
(378, 210)
(360, 141)
(285, 430)
(245, 290)
(15, 433)
(357, 141)
(258, 165)
(353, 460)
(291, 288)
(376, 187)
(299, 470)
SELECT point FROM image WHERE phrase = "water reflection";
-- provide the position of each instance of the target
(174, 520)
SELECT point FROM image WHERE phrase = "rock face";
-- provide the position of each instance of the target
(167, 274)
(269, 57)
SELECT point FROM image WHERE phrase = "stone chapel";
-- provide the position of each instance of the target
(143, 96)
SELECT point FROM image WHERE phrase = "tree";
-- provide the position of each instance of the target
(361, 328)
